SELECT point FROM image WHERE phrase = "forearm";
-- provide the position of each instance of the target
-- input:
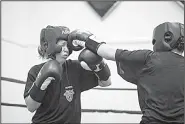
(31, 104)
(93, 62)
(101, 48)
(104, 75)
(34, 96)
(107, 52)
(33, 100)
(88, 40)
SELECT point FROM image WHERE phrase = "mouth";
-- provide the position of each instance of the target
(65, 54)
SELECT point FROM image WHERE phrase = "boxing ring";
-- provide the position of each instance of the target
(90, 114)
(117, 103)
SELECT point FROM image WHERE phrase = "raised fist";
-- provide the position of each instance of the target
(77, 39)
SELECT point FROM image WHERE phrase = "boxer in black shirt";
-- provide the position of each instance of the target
(158, 74)
(53, 88)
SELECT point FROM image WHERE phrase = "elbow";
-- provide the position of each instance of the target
(105, 83)
(31, 109)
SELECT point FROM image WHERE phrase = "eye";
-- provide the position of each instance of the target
(153, 42)
(62, 43)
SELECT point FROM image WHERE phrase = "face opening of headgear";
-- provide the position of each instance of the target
(168, 36)
(49, 37)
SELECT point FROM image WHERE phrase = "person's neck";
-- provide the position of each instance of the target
(61, 61)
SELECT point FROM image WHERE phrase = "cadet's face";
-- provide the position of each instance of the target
(65, 51)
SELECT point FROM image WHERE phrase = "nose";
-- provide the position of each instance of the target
(65, 49)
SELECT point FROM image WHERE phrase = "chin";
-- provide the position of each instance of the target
(65, 57)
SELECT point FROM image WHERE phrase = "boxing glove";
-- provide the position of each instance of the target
(49, 71)
(95, 63)
(90, 41)
(89, 57)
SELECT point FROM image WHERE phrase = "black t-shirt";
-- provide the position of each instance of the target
(62, 103)
(159, 77)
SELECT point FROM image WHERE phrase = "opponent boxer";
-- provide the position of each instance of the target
(158, 74)
(53, 88)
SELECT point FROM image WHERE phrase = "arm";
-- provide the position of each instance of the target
(107, 52)
(96, 65)
(88, 40)
(103, 75)
(128, 63)
(105, 83)
(88, 79)
(36, 88)
(32, 104)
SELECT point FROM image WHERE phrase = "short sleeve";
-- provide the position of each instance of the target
(29, 83)
(32, 74)
(129, 63)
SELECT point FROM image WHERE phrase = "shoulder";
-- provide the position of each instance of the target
(36, 68)
(145, 52)
(132, 54)
(141, 51)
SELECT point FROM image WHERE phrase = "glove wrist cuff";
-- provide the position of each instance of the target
(104, 73)
(36, 93)
(93, 44)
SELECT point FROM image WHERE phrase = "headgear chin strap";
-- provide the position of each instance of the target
(168, 36)
(49, 37)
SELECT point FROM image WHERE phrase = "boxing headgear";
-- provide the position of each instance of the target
(50, 36)
(168, 36)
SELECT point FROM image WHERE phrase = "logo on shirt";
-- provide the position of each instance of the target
(69, 93)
